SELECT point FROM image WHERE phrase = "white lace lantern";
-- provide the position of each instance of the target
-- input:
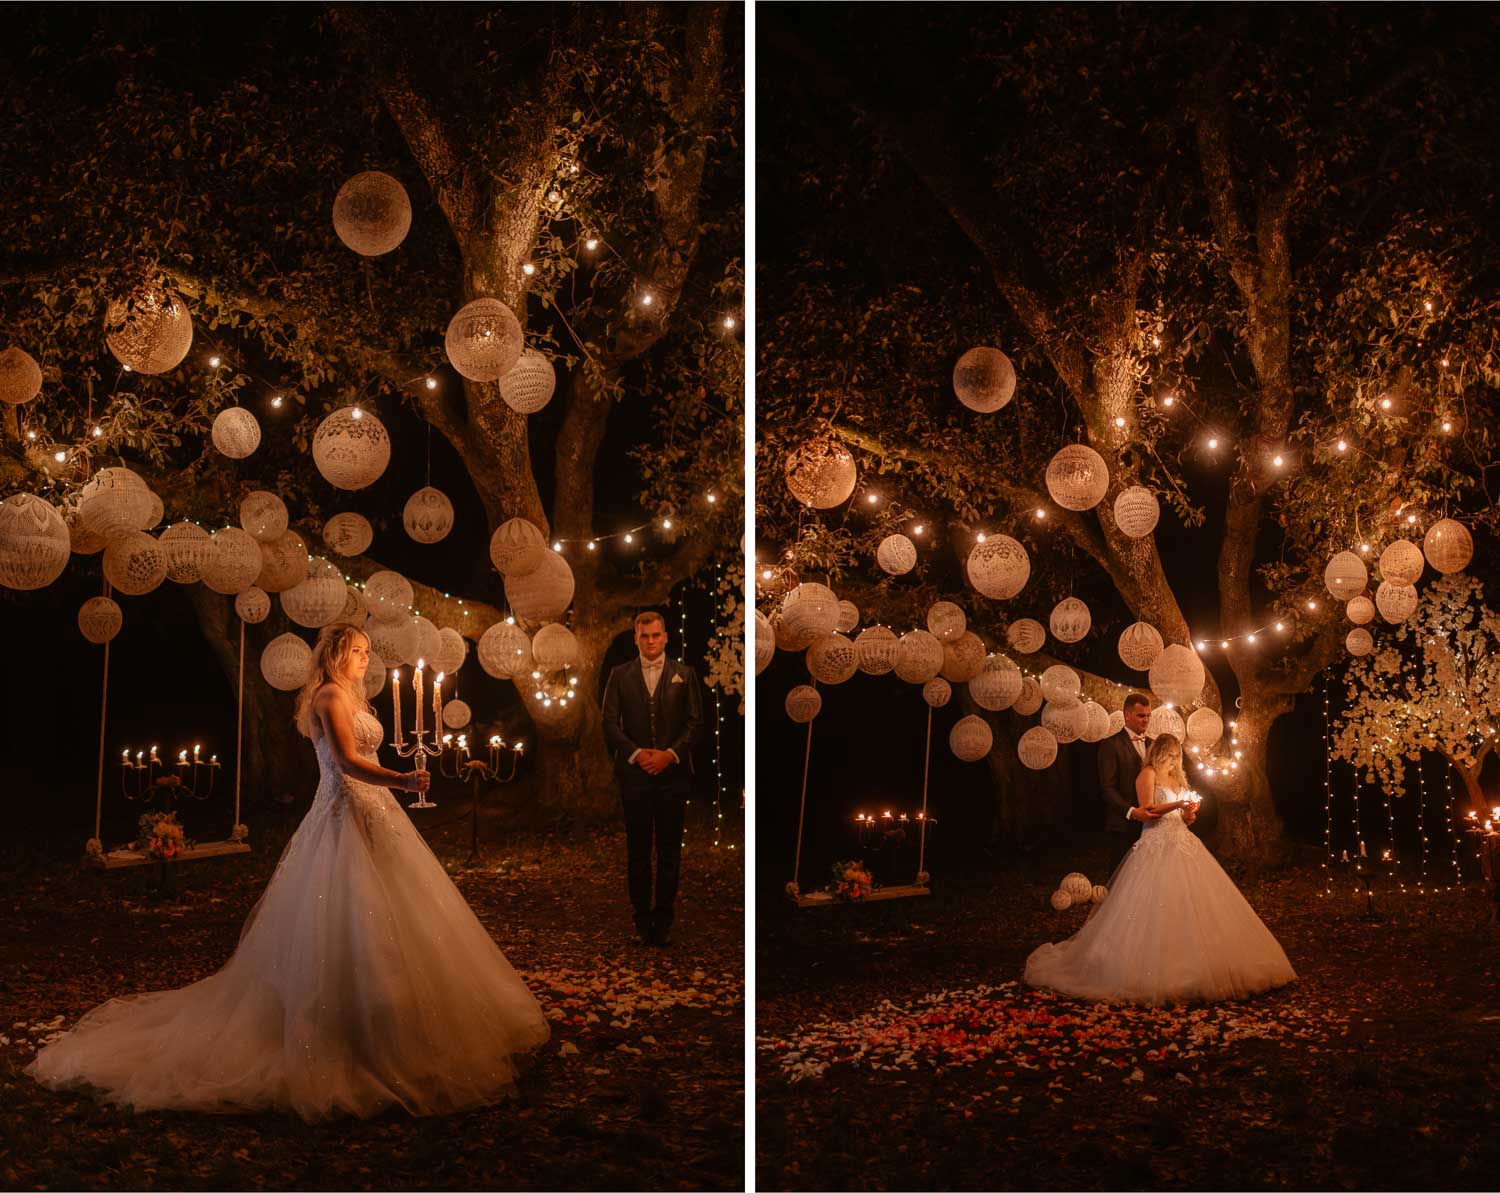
(1396, 602)
(1078, 886)
(896, 554)
(1345, 576)
(319, 598)
(1177, 675)
(1060, 900)
(878, 649)
(236, 433)
(100, 619)
(963, 658)
(765, 642)
(984, 379)
(505, 651)
(395, 642)
(937, 692)
(1096, 722)
(286, 662)
(920, 657)
(1037, 750)
(517, 547)
(971, 739)
(542, 595)
(1401, 563)
(1140, 645)
(428, 516)
(1359, 642)
(81, 540)
(135, 563)
(1030, 698)
(34, 542)
(355, 609)
(264, 515)
(1100, 893)
(998, 685)
(821, 473)
(808, 612)
(351, 448)
(803, 703)
(154, 514)
(1360, 610)
(1204, 727)
(1026, 636)
(372, 213)
(529, 386)
(1061, 685)
(455, 650)
(429, 643)
(348, 534)
(1166, 720)
(389, 596)
(998, 567)
(283, 563)
(946, 621)
(554, 648)
(375, 674)
(20, 377)
(848, 616)
(233, 563)
(1077, 477)
(1448, 546)
(1066, 722)
(456, 714)
(114, 502)
(253, 606)
(831, 659)
(151, 332)
(1116, 721)
(1070, 620)
(1136, 511)
(484, 340)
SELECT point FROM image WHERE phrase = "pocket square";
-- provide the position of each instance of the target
(676, 679)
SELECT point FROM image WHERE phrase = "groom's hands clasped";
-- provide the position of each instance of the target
(653, 762)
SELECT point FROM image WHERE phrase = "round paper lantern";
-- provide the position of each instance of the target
(351, 448)
(821, 473)
(803, 703)
(963, 658)
(1177, 675)
(530, 384)
(1448, 546)
(484, 340)
(1061, 685)
(1066, 722)
(878, 649)
(428, 516)
(284, 562)
(34, 542)
(786, 639)
(1061, 900)
(151, 332)
(371, 213)
(542, 595)
(554, 648)
(505, 651)
(1037, 748)
(429, 643)
(937, 692)
(1401, 563)
(114, 502)
(264, 515)
(1359, 642)
(765, 642)
(234, 562)
(984, 379)
(1077, 477)
(971, 739)
(848, 616)
(1360, 610)
(808, 612)
(1204, 727)
(920, 657)
(998, 567)
(83, 542)
(896, 554)
(135, 563)
(154, 513)
(1096, 724)
(946, 621)
(375, 675)
(1140, 646)
(348, 534)
(253, 606)
(998, 685)
(1396, 602)
(389, 596)
(1099, 893)
(395, 642)
(1026, 635)
(832, 659)
(1070, 620)
(355, 609)
(1116, 720)
(455, 650)
(1345, 576)
(1166, 720)
(517, 547)
(100, 619)
(1030, 698)
(456, 714)
(285, 662)
(1078, 886)
(236, 433)
(1136, 511)
(20, 377)
(319, 598)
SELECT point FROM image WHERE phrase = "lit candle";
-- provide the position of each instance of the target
(416, 683)
(437, 704)
(182, 758)
(396, 701)
(1362, 850)
(125, 761)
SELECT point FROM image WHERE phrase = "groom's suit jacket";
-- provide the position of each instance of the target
(634, 719)
(1119, 765)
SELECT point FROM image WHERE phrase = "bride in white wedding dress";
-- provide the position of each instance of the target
(362, 979)
(1173, 927)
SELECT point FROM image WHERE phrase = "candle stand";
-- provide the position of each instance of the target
(475, 772)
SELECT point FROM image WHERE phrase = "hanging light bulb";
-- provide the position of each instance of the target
(431, 383)
(979, 537)
(528, 269)
(557, 547)
(630, 538)
(276, 402)
(213, 362)
(591, 244)
(98, 431)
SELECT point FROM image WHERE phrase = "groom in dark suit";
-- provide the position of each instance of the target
(1121, 757)
(652, 713)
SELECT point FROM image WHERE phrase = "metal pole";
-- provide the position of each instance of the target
(802, 811)
(239, 732)
(926, 761)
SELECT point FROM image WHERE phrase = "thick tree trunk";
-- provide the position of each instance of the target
(1249, 829)
(1477, 801)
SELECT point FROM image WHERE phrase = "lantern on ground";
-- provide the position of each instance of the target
(878, 649)
(803, 703)
(150, 332)
(484, 340)
(920, 657)
(135, 563)
(234, 562)
(1140, 646)
(348, 534)
(428, 516)
(998, 567)
(20, 377)
(100, 619)
(1070, 620)
(971, 739)
(264, 515)
(372, 213)
(544, 594)
(984, 380)
(351, 448)
(1136, 511)
(1078, 886)
(1077, 477)
(896, 554)
(34, 542)
(236, 433)
(1448, 546)
(286, 662)
(1026, 636)
(530, 385)
(821, 473)
(1061, 900)
(831, 659)
(1037, 748)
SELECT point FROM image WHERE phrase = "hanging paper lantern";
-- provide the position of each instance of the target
(946, 621)
(264, 515)
(154, 514)
(375, 674)
(80, 540)
(1066, 722)
(920, 657)
(1396, 602)
(389, 596)
(878, 650)
(1070, 620)
(115, 502)
(1140, 646)
(236, 433)
(150, 333)
(1359, 642)
(1077, 477)
(1061, 685)
(554, 648)
(998, 685)
(34, 543)
(1030, 698)
(937, 692)
(1401, 563)
(1448, 546)
(484, 340)
(318, 598)
(803, 703)
(1166, 720)
(234, 562)
(348, 534)
(1026, 635)
(971, 739)
(1345, 576)
(372, 213)
(1061, 900)
(1177, 675)
(355, 609)
(1078, 886)
(286, 662)
(429, 643)
(135, 563)
(963, 658)
(1116, 721)
(100, 619)
(542, 595)
(998, 567)
(787, 639)
(395, 642)
(765, 642)
(20, 377)
(848, 616)
(456, 714)
(1096, 722)
(896, 554)
(821, 473)
(283, 562)
(529, 386)
(808, 612)
(831, 659)
(505, 651)
(984, 379)
(428, 516)
(1136, 511)
(351, 448)
(517, 548)
(455, 650)
(1360, 610)
(1037, 749)
(1204, 727)
(253, 606)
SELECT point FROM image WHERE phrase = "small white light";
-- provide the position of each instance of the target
(1280, 627)
(630, 538)
(1343, 446)
(666, 523)
(1427, 306)
(729, 322)
(431, 383)
(1212, 444)
(30, 434)
(980, 536)
(98, 432)
(1156, 341)
(1203, 646)
(1041, 515)
(573, 681)
(1447, 426)
(528, 269)
(1444, 362)
(917, 529)
(1168, 401)
(128, 369)
(872, 498)
(1277, 462)
(557, 546)
(213, 362)
(510, 621)
(536, 675)
(1411, 519)
(647, 300)
(1364, 548)
(276, 402)
(1119, 422)
(592, 544)
(1385, 403)
(60, 457)
(358, 413)
(767, 574)
(554, 196)
(1224, 645)
(591, 244)
(713, 499)
(1313, 605)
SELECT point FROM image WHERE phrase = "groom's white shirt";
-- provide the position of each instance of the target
(1139, 742)
(651, 673)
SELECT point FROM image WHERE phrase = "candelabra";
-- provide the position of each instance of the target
(148, 776)
(475, 771)
(418, 748)
(1363, 869)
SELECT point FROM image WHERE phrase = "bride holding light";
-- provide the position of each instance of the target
(1173, 927)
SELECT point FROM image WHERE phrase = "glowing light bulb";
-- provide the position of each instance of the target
(1427, 306)
(1364, 548)
(1447, 426)
(980, 536)
(767, 574)
(592, 544)
(666, 523)
(30, 434)
(1119, 422)
(1041, 515)
(630, 538)
(1280, 627)
(713, 499)
(1156, 341)
(213, 362)
(1342, 445)
(1250, 637)
(528, 269)
(97, 432)
(729, 322)
(1203, 646)
(431, 383)
(1224, 645)
(358, 413)
(1411, 518)
(557, 546)
(1212, 444)
(647, 300)
(1168, 401)
(60, 457)
(510, 621)
(591, 244)
(1443, 363)
(536, 675)
(1277, 462)
(276, 402)
(872, 498)
(917, 529)
(1385, 403)
(1313, 605)
(128, 369)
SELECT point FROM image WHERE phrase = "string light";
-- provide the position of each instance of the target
(276, 402)
(1213, 443)
(917, 529)
(98, 431)
(60, 457)
(729, 322)
(1041, 515)
(1343, 445)
(1168, 401)
(647, 300)
(1422, 822)
(1327, 799)
(1277, 462)
(591, 244)
(213, 362)
(528, 269)
(872, 498)
(431, 383)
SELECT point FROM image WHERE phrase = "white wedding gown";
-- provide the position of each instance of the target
(1173, 928)
(362, 980)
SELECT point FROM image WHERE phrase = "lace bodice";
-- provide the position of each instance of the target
(337, 789)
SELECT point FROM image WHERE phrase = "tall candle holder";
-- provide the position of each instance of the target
(147, 777)
(475, 771)
(418, 748)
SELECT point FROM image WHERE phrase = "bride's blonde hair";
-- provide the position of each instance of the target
(1164, 755)
(330, 661)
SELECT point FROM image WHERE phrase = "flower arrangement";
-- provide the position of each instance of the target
(851, 881)
(160, 835)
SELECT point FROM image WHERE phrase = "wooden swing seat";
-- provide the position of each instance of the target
(117, 859)
(824, 899)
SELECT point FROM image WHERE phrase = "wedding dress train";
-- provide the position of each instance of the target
(1173, 928)
(362, 980)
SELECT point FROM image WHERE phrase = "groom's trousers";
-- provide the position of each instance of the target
(654, 815)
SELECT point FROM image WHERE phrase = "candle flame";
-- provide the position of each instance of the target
(421, 663)
(439, 679)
